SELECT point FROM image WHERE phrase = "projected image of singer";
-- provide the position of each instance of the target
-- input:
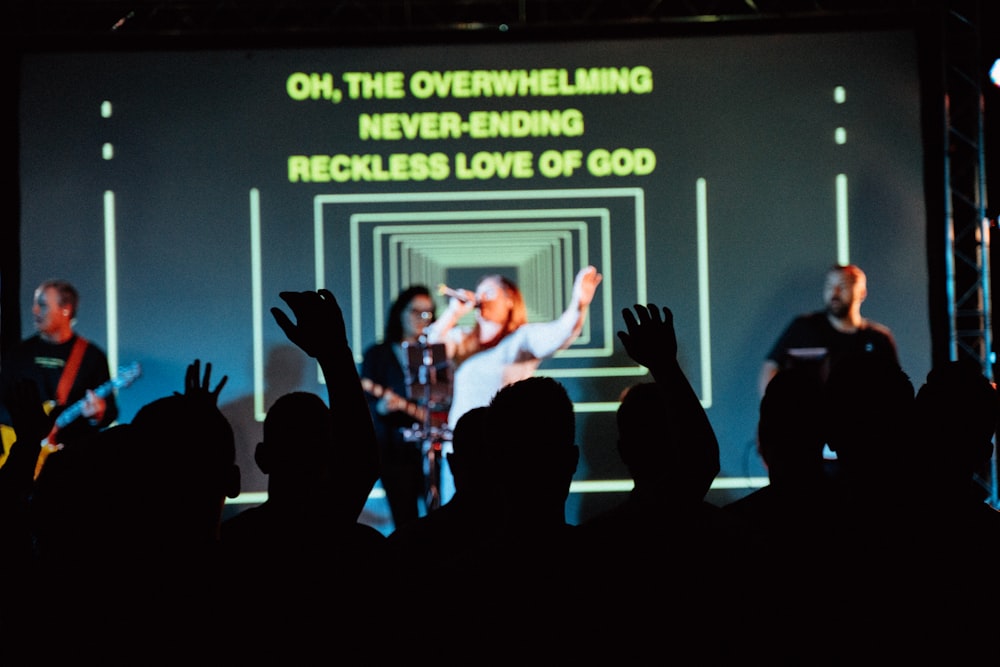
(502, 346)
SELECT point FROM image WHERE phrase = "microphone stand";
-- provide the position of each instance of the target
(422, 379)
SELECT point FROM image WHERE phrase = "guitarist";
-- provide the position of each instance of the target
(382, 369)
(65, 366)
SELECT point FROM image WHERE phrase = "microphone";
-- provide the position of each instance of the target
(444, 290)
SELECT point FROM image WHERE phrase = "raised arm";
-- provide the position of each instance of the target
(320, 331)
(544, 340)
(650, 340)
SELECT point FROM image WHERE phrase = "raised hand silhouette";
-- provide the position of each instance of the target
(199, 387)
(670, 450)
(319, 325)
(649, 338)
(319, 330)
(305, 541)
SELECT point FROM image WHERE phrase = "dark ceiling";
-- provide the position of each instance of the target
(49, 21)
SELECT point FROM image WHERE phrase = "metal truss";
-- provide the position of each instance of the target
(967, 227)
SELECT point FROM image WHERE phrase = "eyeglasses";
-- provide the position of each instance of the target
(423, 314)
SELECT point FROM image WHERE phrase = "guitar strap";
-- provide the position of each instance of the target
(70, 370)
(66, 380)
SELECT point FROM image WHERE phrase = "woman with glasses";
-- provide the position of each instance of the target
(383, 372)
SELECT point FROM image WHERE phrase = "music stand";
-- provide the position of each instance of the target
(429, 385)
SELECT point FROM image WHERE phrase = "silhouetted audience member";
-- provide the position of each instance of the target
(25, 585)
(131, 519)
(525, 573)
(434, 540)
(305, 543)
(301, 527)
(875, 551)
(791, 508)
(869, 424)
(300, 544)
(31, 424)
(666, 549)
(320, 331)
(118, 549)
(145, 493)
(957, 413)
(284, 372)
(535, 416)
(422, 554)
(793, 513)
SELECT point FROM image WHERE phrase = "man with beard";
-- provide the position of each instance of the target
(820, 339)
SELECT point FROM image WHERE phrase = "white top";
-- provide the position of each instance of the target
(479, 377)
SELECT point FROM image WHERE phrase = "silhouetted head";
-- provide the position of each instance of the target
(533, 422)
(298, 434)
(869, 409)
(298, 452)
(791, 428)
(190, 451)
(957, 413)
(469, 459)
(196, 432)
(658, 451)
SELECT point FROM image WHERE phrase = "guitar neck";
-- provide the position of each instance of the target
(378, 391)
(73, 412)
(125, 377)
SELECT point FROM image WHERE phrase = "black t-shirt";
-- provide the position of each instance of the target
(381, 366)
(44, 362)
(810, 340)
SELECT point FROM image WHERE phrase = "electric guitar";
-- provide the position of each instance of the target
(126, 376)
(418, 412)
